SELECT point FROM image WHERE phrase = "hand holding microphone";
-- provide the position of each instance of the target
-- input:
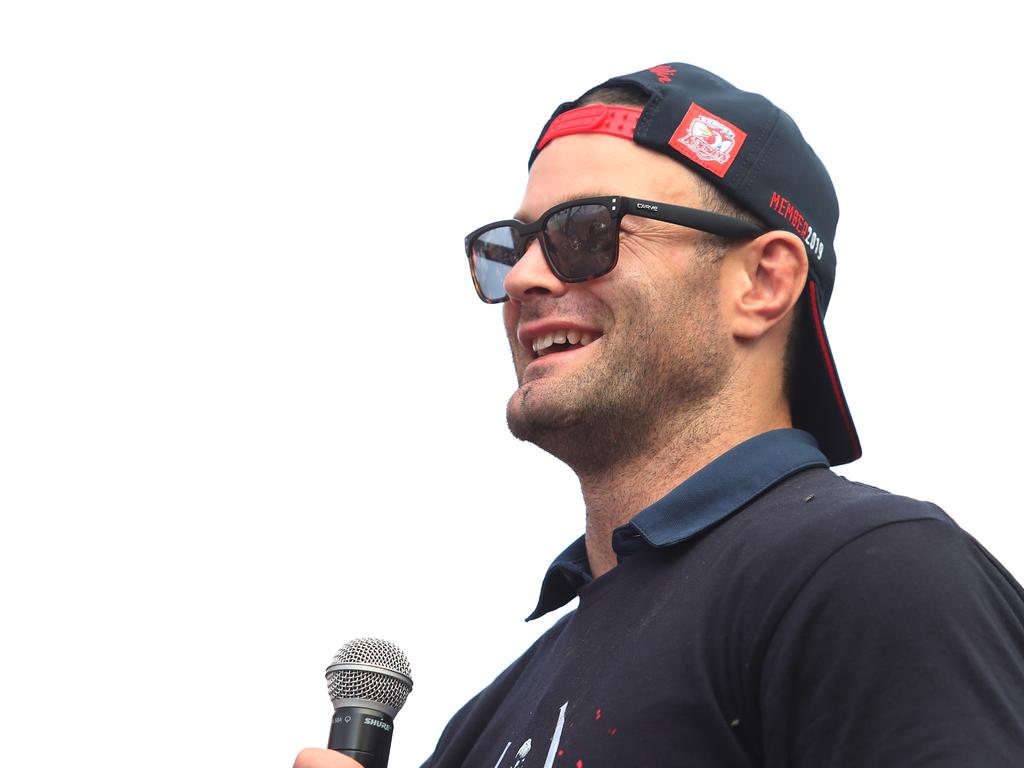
(368, 682)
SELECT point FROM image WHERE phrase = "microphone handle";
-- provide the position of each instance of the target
(362, 733)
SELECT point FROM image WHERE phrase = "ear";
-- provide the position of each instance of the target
(762, 280)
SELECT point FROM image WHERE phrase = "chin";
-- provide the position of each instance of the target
(558, 426)
(530, 415)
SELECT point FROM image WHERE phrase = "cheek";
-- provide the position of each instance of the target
(635, 288)
(665, 296)
(651, 264)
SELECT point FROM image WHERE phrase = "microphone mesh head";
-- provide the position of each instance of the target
(390, 686)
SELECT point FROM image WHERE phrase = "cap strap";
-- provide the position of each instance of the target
(595, 118)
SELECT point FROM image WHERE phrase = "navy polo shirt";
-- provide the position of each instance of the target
(765, 613)
(709, 496)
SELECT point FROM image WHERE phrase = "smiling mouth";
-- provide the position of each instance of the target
(561, 341)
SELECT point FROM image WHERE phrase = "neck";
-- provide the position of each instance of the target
(615, 493)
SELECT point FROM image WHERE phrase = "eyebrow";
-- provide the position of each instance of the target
(521, 216)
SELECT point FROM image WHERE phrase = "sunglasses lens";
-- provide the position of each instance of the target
(581, 241)
(492, 256)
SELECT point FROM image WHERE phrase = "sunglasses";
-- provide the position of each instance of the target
(579, 239)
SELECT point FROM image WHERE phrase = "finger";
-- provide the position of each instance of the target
(323, 758)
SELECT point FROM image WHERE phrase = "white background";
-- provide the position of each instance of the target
(251, 408)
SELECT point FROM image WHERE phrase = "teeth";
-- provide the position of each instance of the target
(561, 336)
(543, 342)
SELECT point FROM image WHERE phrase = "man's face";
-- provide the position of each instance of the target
(658, 352)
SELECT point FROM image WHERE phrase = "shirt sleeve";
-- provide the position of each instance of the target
(905, 648)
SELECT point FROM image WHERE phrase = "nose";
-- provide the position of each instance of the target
(531, 276)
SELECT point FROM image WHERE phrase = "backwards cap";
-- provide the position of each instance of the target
(755, 155)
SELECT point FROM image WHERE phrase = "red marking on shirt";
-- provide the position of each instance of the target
(561, 752)
(598, 715)
(612, 731)
(579, 764)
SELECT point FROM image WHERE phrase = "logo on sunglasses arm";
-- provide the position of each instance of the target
(708, 140)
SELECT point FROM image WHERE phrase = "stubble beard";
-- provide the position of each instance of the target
(653, 378)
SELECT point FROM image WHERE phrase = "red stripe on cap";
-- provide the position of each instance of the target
(833, 378)
(595, 118)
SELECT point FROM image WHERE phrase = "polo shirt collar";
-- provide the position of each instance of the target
(707, 497)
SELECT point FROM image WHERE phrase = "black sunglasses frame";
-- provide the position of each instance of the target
(618, 206)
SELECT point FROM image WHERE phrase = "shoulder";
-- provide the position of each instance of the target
(816, 496)
(892, 633)
(808, 518)
(820, 554)
(821, 522)
(856, 626)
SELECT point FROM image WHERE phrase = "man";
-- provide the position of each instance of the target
(664, 285)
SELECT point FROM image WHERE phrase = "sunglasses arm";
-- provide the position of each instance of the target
(704, 221)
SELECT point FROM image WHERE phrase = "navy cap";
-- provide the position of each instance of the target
(755, 155)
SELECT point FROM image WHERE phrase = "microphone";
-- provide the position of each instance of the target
(368, 682)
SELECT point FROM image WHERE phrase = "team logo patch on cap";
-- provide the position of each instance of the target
(708, 140)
